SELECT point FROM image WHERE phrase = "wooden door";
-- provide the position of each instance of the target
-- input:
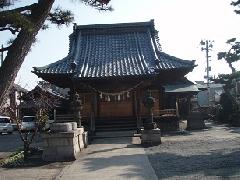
(113, 107)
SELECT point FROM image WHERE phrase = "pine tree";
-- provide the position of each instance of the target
(24, 23)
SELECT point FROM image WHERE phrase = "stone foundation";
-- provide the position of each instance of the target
(151, 137)
(64, 146)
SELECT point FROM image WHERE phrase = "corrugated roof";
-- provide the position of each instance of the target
(180, 88)
(127, 49)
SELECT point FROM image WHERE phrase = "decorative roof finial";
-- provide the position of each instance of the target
(74, 26)
(73, 66)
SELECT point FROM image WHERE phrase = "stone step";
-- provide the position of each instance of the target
(114, 134)
(117, 125)
(115, 129)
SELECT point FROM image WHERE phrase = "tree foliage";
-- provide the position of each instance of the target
(233, 54)
(24, 23)
(236, 4)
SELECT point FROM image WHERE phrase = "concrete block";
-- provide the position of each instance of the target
(85, 139)
(74, 126)
(60, 142)
(64, 146)
(61, 127)
(80, 141)
(151, 137)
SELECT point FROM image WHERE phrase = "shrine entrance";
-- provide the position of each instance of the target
(118, 106)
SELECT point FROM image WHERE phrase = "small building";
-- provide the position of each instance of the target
(112, 67)
(209, 94)
(12, 101)
(43, 96)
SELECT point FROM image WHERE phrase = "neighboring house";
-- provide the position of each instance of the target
(209, 96)
(112, 67)
(44, 95)
(12, 101)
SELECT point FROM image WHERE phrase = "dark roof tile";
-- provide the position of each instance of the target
(114, 50)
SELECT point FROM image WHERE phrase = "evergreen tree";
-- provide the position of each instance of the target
(25, 22)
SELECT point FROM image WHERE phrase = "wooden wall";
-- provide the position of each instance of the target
(87, 99)
(116, 109)
(128, 106)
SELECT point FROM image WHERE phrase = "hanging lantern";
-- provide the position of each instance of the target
(128, 94)
(101, 95)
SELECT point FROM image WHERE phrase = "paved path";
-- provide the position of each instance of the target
(110, 159)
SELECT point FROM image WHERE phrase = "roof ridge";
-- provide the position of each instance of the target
(115, 25)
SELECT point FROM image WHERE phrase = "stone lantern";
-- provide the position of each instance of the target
(150, 134)
(149, 104)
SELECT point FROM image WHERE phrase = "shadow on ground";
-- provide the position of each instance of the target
(215, 163)
(132, 164)
(34, 160)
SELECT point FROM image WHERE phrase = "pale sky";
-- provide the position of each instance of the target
(181, 25)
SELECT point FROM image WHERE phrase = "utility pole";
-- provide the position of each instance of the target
(2, 56)
(207, 46)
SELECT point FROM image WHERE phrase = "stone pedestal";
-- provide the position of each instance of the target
(151, 137)
(195, 121)
(64, 146)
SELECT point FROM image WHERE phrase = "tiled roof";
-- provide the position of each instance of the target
(111, 50)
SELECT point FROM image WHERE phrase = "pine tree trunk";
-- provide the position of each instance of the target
(26, 149)
(232, 68)
(21, 46)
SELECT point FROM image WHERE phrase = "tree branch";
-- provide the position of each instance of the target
(5, 49)
(13, 30)
(99, 4)
(20, 9)
(59, 16)
(15, 20)
(235, 3)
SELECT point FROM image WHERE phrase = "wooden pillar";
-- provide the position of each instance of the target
(161, 98)
(189, 104)
(134, 101)
(164, 97)
(138, 111)
(76, 104)
(97, 105)
(71, 93)
(94, 112)
(54, 114)
(177, 107)
(77, 110)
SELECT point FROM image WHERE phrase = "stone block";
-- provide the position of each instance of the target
(74, 126)
(64, 146)
(80, 140)
(85, 139)
(60, 142)
(195, 121)
(61, 127)
(81, 130)
(151, 137)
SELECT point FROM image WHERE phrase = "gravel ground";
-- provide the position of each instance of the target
(213, 153)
